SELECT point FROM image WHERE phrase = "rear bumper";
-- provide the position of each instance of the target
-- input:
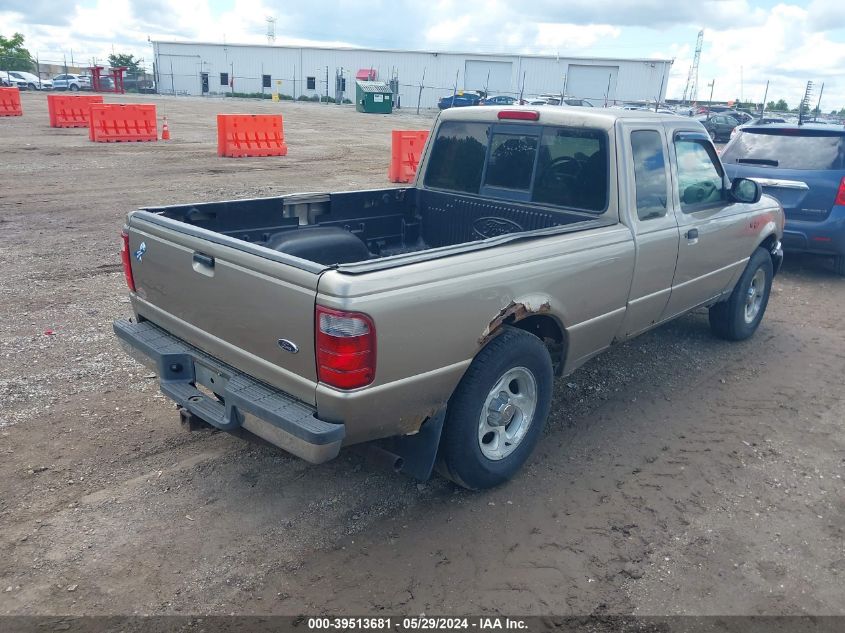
(826, 237)
(249, 404)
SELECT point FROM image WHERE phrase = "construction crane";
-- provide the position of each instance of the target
(691, 89)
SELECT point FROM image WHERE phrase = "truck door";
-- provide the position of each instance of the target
(654, 225)
(712, 229)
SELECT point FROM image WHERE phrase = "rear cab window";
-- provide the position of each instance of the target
(550, 165)
(788, 148)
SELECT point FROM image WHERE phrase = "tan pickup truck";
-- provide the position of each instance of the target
(431, 320)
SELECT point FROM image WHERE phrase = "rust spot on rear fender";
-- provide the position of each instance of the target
(511, 313)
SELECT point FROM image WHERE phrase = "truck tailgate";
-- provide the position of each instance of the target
(228, 301)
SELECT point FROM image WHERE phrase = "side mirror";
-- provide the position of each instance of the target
(746, 190)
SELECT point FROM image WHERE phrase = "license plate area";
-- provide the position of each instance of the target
(209, 380)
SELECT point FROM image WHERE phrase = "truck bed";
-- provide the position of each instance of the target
(360, 226)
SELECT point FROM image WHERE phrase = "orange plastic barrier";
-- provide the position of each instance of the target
(69, 110)
(241, 135)
(10, 102)
(406, 149)
(120, 122)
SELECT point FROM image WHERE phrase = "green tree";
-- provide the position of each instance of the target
(13, 55)
(124, 59)
(780, 106)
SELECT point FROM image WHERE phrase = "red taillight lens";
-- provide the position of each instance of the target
(127, 262)
(840, 195)
(520, 115)
(346, 348)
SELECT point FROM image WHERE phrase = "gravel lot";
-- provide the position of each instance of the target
(679, 474)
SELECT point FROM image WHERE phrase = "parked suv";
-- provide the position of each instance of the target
(72, 82)
(803, 167)
(33, 82)
(8, 81)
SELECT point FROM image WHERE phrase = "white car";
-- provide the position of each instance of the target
(72, 82)
(33, 82)
(7, 81)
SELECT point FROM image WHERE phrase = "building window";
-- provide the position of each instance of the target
(265, 81)
(311, 83)
(224, 79)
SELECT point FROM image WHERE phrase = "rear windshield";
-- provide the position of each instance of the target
(788, 149)
(560, 166)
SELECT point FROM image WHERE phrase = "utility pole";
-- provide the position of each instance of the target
(455, 90)
(710, 101)
(419, 96)
(522, 88)
(765, 96)
(327, 85)
(819, 104)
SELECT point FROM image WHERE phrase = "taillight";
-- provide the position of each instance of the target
(840, 195)
(127, 262)
(346, 348)
(520, 115)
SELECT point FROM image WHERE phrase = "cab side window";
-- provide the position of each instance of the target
(700, 179)
(649, 174)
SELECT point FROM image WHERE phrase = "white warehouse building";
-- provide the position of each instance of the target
(198, 68)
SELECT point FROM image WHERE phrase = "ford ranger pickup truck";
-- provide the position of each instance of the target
(430, 320)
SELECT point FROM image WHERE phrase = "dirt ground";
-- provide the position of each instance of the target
(679, 474)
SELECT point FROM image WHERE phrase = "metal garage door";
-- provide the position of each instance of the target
(593, 83)
(476, 76)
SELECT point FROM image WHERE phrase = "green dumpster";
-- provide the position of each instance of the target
(373, 96)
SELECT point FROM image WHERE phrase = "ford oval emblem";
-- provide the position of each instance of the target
(493, 227)
(288, 346)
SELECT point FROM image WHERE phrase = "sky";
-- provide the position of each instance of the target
(746, 42)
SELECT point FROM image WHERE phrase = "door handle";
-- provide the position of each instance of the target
(203, 259)
(692, 236)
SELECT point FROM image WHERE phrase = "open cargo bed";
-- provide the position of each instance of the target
(343, 228)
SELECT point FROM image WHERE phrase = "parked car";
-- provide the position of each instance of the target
(741, 117)
(499, 100)
(459, 100)
(8, 81)
(433, 318)
(583, 103)
(33, 82)
(720, 126)
(713, 109)
(72, 82)
(765, 120)
(803, 167)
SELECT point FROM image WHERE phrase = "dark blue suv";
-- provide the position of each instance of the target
(803, 166)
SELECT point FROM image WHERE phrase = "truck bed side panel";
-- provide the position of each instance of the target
(433, 317)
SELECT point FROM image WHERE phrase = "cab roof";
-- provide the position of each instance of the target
(603, 118)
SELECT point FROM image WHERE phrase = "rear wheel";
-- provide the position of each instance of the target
(738, 318)
(32, 86)
(839, 264)
(498, 411)
(74, 87)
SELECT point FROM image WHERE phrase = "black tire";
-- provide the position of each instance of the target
(32, 86)
(730, 319)
(839, 265)
(462, 459)
(73, 88)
